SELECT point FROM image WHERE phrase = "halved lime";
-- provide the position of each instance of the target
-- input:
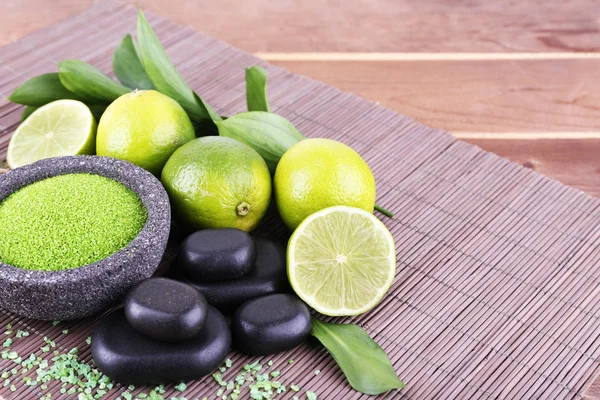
(60, 128)
(341, 261)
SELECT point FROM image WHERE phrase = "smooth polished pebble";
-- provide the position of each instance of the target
(212, 255)
(268, 276)
(166, 309)
(130, 357)
(270, 324)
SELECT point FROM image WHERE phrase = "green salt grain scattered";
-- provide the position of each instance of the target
(228, 363)
(270, 363)
(317, 372)
(68, 221)
(254, 366)
(88, 340)
(181, 387)
(13, 388)
(240, 379)
(21, 334)
(311, 395)
(262, 377)
(219, 379)
(7, 342)
(65, 332)
(54, 323)
(295, 388)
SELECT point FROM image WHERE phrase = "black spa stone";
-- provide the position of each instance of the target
(216, 255)
(165, 309)
(130, 357)
(268, 276)
(270, 324)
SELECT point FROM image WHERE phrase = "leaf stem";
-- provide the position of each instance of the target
(385, 212)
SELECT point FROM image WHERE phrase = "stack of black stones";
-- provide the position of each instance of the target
(175, 330)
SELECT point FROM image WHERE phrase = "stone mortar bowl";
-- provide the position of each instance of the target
(86, 290)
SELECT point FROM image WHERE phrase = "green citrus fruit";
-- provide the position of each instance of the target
(217, 182)
(143, 127)
(60, 128)
(318, 173)
(341, 261)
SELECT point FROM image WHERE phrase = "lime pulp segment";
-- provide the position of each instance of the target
(341, 261)
(60, 128)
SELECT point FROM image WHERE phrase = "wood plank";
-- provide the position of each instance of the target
(573, 162)
(392, 25)
(414, 56)
(475, 96)
(356, 25)
(21, 17)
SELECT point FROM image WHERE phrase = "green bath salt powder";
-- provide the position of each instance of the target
(68, 221)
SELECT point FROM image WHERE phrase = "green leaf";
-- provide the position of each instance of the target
(27, 112)
(203, 105)
(269, 134)
(165, 77)
(41, 90)
(128, 67)
(205, 128)
(256, 89)
(97, 110)
(89, 82)
(365, 364)
(385, 212)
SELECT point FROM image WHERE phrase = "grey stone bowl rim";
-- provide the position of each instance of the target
(97, 165)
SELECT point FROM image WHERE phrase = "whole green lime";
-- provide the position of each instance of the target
(217, 182)
(143, 127)
(318, 173)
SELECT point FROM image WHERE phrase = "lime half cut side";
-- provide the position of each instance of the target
(341, 261)
(60, 128)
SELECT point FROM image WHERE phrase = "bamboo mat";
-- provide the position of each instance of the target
(497, 292)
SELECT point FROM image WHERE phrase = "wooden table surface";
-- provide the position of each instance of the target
(520, 78)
